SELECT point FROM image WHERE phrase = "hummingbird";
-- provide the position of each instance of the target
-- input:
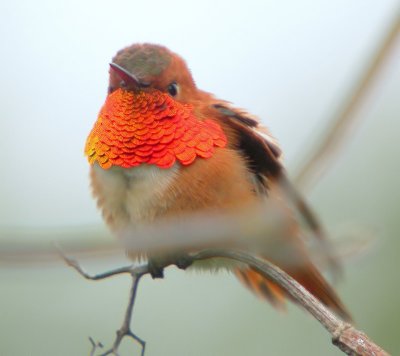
(163, 148)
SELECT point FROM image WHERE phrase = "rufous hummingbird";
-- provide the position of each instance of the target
(162, 148)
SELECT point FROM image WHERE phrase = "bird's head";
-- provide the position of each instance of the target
(148, 116)
(146, 67)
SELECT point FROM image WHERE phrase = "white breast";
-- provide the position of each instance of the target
(131, 196)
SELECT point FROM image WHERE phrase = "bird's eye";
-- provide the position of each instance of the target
(172, 89)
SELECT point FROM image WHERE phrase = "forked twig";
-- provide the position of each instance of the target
(95, 346)
(137, 272)
(125, 329)
(350, 340)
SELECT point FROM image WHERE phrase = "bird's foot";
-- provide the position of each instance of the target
(158, 263)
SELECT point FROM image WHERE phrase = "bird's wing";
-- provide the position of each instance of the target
(256, 142)
(263, 155)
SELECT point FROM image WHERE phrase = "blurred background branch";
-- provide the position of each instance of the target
(332, 141)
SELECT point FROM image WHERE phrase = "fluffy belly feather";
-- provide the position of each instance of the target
(128, 197)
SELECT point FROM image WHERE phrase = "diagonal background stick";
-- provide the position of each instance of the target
(324, 152)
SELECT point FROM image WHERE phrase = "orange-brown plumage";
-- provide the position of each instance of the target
(163, 148)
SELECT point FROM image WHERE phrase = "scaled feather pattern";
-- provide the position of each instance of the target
(150, 127)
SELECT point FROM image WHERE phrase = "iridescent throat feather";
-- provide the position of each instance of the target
(140, 127)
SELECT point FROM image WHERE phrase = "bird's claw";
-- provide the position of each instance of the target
(157, 265)
(156, 269)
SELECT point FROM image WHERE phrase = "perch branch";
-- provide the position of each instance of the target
(74, 264)
(350, 340)
(345, 336)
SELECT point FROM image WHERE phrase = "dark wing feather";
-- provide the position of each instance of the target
(263, 155)
(261, 151)
(249, 122)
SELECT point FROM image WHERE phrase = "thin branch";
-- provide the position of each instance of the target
(137, 272)
(125, 329)
(350, 340)
(95, 346)
(74, 264)
(347, 338)
(323, 153)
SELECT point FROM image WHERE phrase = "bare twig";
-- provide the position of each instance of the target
(125, 329)
(350, 340)
(137, 272)
(95, 346)
(74, 264)
(317, 162)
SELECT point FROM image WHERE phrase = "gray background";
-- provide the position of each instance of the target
(291, 63)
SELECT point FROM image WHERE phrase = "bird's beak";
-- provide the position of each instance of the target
(130, 80)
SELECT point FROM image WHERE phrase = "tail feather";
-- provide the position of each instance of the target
(262, 287)
(307, 276)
